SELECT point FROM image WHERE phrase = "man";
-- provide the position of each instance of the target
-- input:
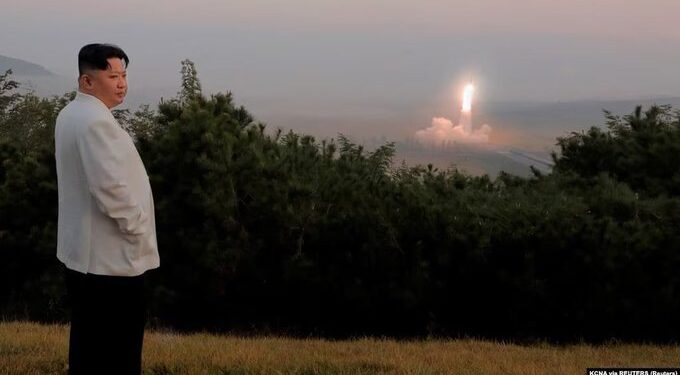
(106, 230)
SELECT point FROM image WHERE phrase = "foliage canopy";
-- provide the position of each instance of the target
(278, 232)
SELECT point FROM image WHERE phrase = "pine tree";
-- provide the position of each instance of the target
(191, 86)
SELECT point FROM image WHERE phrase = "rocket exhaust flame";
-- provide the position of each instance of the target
(442, 130)
(465, 119)
(467, 97)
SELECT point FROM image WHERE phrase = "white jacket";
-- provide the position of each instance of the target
(106, 212)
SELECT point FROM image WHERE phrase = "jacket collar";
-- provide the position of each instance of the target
(81, 96)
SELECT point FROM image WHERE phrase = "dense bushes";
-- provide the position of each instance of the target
(273, 232)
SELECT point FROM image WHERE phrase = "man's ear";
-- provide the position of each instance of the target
(85, 80)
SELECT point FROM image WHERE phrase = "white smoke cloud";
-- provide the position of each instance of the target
(442, 132)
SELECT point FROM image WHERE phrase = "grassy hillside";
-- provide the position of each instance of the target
(22, 67)
(27, 348)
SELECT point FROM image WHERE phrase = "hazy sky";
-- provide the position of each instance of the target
(367, 58)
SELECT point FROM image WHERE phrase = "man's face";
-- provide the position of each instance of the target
(109, 85)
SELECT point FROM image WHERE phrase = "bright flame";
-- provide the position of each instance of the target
(443, 132)
(467, 97)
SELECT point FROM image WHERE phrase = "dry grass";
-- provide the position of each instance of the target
(29, 348)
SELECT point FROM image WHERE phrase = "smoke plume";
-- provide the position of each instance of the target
(443, 132)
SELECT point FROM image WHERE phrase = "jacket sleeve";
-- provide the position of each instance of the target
(103, 147)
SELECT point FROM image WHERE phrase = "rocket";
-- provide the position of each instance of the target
(465, 120)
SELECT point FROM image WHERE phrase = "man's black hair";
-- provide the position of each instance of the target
(94, 56)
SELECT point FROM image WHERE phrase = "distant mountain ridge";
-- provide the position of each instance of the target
(22, 67)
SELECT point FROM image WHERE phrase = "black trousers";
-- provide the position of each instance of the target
(108, 314)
